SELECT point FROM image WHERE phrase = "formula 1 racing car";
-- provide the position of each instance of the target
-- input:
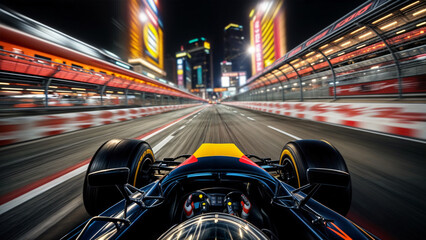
(217, 193)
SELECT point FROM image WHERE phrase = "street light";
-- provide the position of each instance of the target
(250, 50)
(264, 6)
(143, 17)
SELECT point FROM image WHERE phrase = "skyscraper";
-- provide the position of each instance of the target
(184, 70)
(202, 64)
(236, 47)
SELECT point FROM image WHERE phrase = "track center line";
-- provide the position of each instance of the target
(161, 144)
(251, 118)
(286, 133)
(19, 196)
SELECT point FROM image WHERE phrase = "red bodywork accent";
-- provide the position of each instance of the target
(190, 160)
(246, 160)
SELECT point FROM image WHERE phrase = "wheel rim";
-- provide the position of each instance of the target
(288, 173)
(145, 173)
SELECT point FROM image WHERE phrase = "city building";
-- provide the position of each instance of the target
(184, 70)
(267, 34)
(235, 48)
(225, 66)
(202, 65)
(230, 79)
(146, 50)
(171, 68)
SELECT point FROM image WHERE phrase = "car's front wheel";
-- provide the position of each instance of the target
(299, 156)
(137, 155)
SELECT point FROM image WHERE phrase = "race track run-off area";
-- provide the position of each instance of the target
(42, 179)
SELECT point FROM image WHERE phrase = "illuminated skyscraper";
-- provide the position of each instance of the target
(202, 65)
(184, 70)
(236, 48)
(267, 34)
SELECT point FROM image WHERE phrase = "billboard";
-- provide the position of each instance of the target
(233, 79)
(146, 35)
(267, 34)
(179, 64)
(225, 81)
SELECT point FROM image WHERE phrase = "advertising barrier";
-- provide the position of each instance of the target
(404, 119)
(19, 129)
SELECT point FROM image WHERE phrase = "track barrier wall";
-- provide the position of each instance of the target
(19, 129)
(406, 119)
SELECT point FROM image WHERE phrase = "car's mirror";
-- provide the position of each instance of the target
(326, 176)
(108, 177)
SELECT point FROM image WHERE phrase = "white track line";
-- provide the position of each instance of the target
(251, 118)
(286, 133)
(161, 144)
(155, 133)
(37, 191)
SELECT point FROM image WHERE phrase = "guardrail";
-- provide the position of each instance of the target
(36, 82)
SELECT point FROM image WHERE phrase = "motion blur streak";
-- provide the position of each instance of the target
(387, 173)
(28, 192)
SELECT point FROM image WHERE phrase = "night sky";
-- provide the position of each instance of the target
(101, 22)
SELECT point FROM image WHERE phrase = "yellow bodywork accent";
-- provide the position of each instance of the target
(218, 149)
(287, 152)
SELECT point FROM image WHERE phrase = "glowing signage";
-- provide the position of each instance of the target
(267, 33)
(146, 35)
(243, 80)
(258, 53)
(150, 37)
(199, 75)
(225, 81)
(353, 16)
(207, 45)
(251, 13)
(233, 25)
(179, 62)
(220, 89)
(193, 40)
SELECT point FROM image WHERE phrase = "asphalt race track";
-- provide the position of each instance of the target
(388, 173)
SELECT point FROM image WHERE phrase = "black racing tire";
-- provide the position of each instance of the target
(303, 154)
(137, 155)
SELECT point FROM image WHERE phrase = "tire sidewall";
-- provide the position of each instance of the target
(300, 153)
(115, 153)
